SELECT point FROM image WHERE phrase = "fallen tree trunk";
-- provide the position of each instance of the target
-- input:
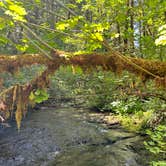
(18, 96)
(117, 64)
(146, 69)
(14, 62)
(108, 61)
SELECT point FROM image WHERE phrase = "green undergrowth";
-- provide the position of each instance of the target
(105, 92)
(139, 108)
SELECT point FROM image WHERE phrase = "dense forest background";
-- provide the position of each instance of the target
(124, 28)
(129, 26)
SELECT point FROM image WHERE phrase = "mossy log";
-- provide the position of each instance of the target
(17, 97)
(108, 61)
(146, 69)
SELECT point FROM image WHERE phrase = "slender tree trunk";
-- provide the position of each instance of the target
(52, 16)
(126, 47)
(132, 24)
(141, 31)
(140, 38)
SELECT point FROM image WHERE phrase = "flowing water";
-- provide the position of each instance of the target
(66, 136)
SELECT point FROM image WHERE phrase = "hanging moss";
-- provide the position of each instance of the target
(18, 96)
(146, 69)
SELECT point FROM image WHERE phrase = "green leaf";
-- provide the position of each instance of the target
(161, 40)
(38, 1)
(18, 9)
(98, 36)
(37, 92)
(38, 99)
(2, 25)
(22, 47)
(32, 96)
(159, 163)
(39, 96)
(3, 40)
(61, 26)
(115, 35)
(15, 16)
(150, 21)
(79, 1)
(2, 4)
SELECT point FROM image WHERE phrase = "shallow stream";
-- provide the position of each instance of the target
(66, 136)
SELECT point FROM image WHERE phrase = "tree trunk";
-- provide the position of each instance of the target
(126, 47)
(132, 24)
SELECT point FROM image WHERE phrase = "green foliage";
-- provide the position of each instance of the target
(87, 26)
(135, 122)
(66, 84)
(157, 143)
(90, 35)
(131, 105)
(3, 40)
(14, 9)
(161, 40)
(158, 163)
(68, 24)
(39, 96)
(38, 1)
(12, 13)
(106, 92)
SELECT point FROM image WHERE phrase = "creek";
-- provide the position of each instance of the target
(66, 136)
